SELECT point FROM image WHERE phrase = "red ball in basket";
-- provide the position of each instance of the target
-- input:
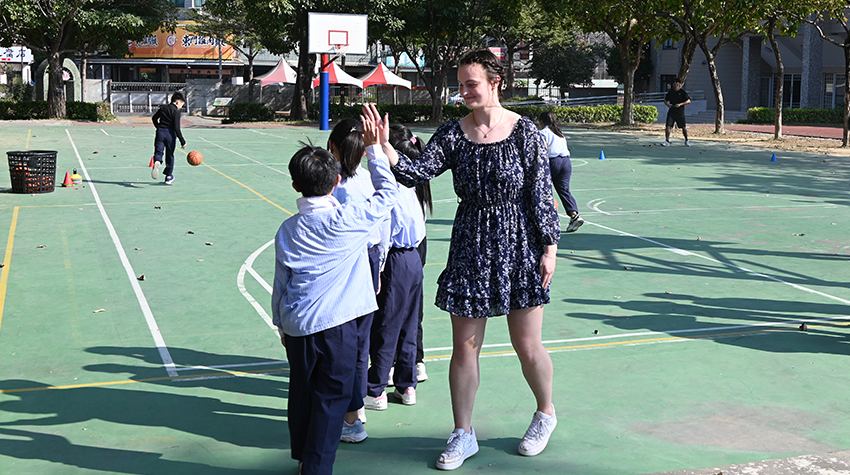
(194, 158)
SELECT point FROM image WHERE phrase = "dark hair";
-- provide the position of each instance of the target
(314, 170)
(490, 62)
(177, 96)
(347, 135)
(547, 118)
(403, 140)
(677, 80)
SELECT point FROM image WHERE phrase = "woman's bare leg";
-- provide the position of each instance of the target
(526, 329)
(464, 375)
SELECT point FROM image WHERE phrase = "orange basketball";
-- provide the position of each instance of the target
(194, 158)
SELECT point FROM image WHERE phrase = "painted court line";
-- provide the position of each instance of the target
(240, 283)
(131, 274)
(244, 156)
(7, 259)
(744, 269)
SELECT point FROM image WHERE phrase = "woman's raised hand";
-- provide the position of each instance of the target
(381, 126)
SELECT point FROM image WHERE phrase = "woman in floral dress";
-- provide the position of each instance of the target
(503, 246)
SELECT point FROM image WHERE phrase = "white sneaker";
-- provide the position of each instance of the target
(408, 397)
(155, 170)
(575, 223)
(421, 375)
(537, 435)
(461, 446)
(665, 144)
(376, 403)
(361, 414)
(687, 143)
(353, 433)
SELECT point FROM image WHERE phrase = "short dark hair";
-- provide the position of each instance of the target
(314, 170)
(677, 80)
(489, 61)
(177, 96)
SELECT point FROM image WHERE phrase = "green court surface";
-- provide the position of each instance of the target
(674, 325)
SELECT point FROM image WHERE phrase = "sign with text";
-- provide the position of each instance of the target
(15, 54)
(180, 44)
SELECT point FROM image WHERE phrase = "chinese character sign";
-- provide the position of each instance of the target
(15, 54)
(180, 44)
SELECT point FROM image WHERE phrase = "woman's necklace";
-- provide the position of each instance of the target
(477, 125)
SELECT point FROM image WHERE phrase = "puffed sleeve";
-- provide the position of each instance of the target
(538, 185)
(431, 163)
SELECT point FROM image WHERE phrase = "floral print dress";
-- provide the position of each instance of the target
(506, 214)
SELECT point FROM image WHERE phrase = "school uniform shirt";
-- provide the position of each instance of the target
(557, 145)
(359, 188)
(322, 274)
(407, 221)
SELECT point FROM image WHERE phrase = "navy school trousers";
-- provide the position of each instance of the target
(396, 321)
(562, 169)
(321, 381)
(364, 330)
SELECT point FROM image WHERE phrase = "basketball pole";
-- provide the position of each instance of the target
(324, 93)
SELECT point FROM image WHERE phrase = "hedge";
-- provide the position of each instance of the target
(410, 113)
(250, 112)
(765, 115)
(28, 110)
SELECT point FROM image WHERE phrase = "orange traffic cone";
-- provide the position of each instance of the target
(68, 181)
(151, 165)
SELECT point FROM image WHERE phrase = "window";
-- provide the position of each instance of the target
(791, 84)
(833, 90)
(668, 44)
(199, 3)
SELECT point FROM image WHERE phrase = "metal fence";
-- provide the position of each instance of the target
(141, 97)
(640, 98)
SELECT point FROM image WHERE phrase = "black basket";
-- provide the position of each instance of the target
(32, 171)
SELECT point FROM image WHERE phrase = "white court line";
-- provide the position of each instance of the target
(240, 283)
(594, 205)
(131, 274)
(244, 156)
(744, 269)
(236, 365)
(104, 132)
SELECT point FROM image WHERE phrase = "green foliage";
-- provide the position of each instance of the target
(250, 112)
(644, 69)
(521, 99)
(765, 115)
(81, 111)
(564, 61)
(103, 112)
(22, 91)
(23, 110)
(588, 114)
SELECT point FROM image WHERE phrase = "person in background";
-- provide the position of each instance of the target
(676, 99)
(167, 123)
(561, 166)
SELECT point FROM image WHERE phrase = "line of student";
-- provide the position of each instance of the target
(501, 261)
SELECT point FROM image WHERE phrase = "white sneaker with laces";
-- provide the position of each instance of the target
(461, 446)
(538, 433)
(575, 223)
(408, 397)
(378, 403)
(665, 144)
(421, 375)
(687, 143)
(155, 170)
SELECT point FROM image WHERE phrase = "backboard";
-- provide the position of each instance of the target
(334, 33)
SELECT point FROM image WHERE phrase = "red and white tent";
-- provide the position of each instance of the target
(382, 75)
(337, 76)
(282, 73)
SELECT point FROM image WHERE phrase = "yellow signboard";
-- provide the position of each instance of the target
(181, 44)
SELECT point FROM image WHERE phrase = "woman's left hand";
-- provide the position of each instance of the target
(547, 267)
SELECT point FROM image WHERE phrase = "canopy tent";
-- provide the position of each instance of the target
(282, 73)
(337, 76)
(382, 75)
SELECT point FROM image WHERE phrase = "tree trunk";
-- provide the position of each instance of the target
(715, 85)
(510, 70)
(846, 134)
(437, 97)
(55, 87)
(780, 73)
(251, 78)
(84, 63)
(628, 115)
(298, 109)
(689, 47)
